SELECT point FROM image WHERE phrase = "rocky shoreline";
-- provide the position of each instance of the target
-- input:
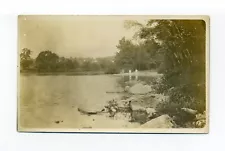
(140, 104)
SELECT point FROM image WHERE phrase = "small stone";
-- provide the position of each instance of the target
(57, 122)
(113, 109)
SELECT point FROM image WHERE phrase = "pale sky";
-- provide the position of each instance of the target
(74, 36)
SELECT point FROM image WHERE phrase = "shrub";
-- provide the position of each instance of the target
(186, 96)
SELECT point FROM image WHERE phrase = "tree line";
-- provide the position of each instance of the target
(48, 61)
(129, 57)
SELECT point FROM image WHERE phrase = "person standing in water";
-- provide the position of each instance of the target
(136, 74)
(129, 74)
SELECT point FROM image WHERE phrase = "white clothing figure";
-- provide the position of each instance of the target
(136, 74)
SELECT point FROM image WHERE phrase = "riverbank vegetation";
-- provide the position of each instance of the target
(178, 48)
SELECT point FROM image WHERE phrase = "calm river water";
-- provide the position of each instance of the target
(46, 99)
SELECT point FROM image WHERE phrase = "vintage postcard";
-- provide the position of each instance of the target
(120, 74)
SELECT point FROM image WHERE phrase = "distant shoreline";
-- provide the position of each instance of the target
(64, 73)
(139, 73)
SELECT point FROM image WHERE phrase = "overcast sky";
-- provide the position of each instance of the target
(74, 36)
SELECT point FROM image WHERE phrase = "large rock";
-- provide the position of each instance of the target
(145, 101)
(140, 113)
(163, 121)
(90, 109)
(87, 111)
(136, 106)
(139, 88)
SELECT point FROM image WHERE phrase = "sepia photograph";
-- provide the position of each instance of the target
(113, 74)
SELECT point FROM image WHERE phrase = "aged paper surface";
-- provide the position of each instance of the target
(131, 74)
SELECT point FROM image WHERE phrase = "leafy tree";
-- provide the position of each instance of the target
(25, 59)
(182, 44)
(47, 61)
(136, 56)
(125, 57)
